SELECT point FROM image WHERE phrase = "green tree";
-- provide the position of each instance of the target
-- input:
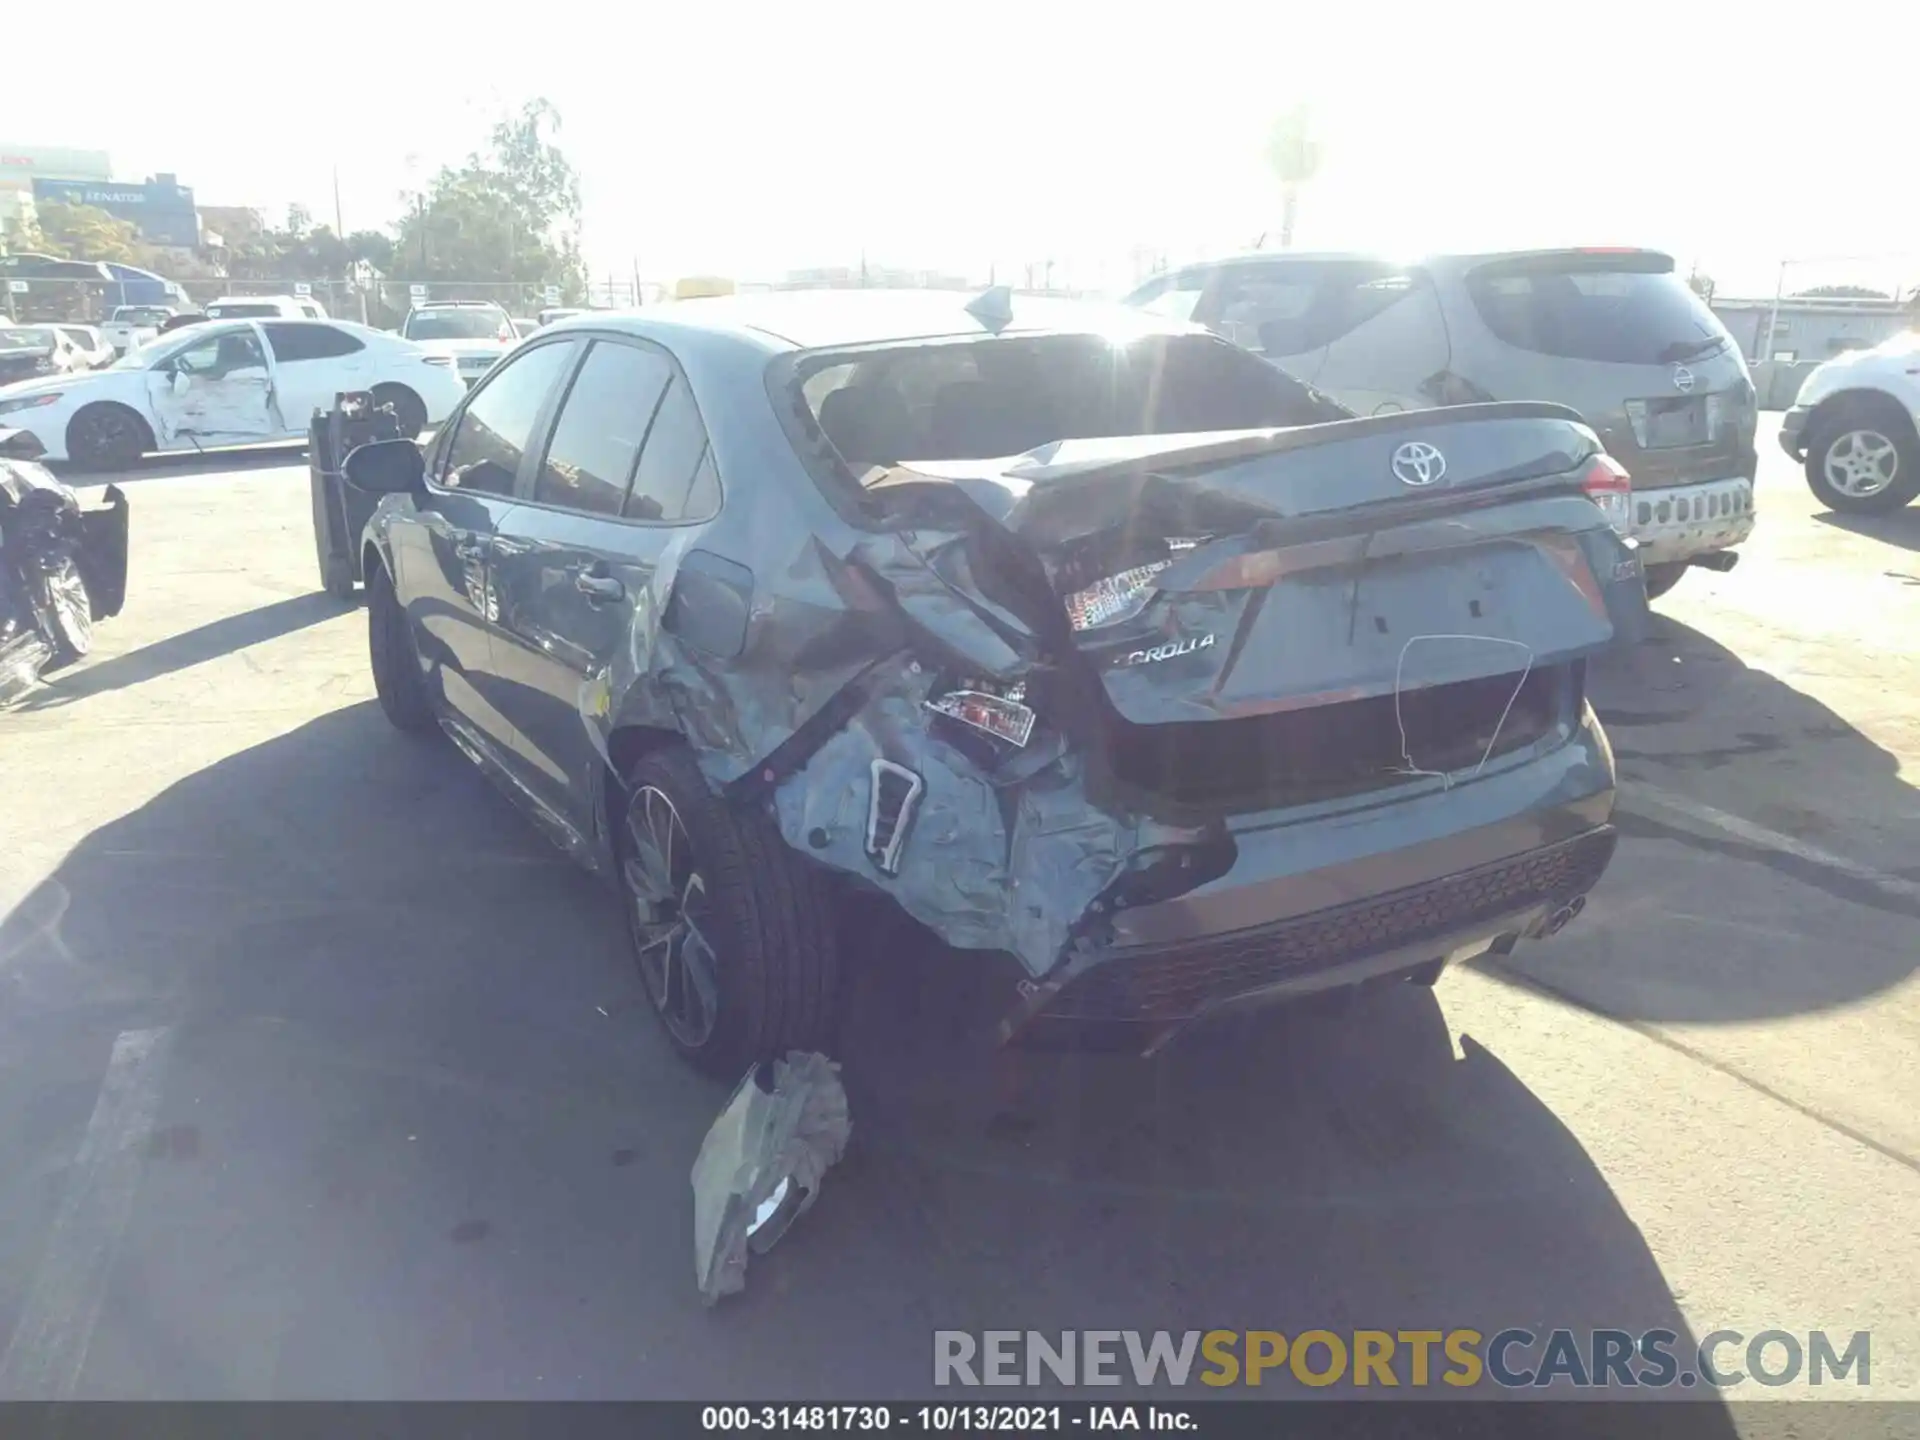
(511, 214)
(1294, 154)
(1701, 285)
(83, 232)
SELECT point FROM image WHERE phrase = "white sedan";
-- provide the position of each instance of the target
(233, 382)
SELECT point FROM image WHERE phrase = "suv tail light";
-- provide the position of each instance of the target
(505, 332)
(1610, 487)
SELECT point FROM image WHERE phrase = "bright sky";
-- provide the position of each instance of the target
(749, 139)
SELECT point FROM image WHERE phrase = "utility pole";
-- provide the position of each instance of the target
(1765, 346)
(339, 225)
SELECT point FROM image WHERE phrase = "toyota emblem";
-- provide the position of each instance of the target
(1418, 463)
(1682, 379)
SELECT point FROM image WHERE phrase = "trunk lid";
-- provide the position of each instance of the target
(1352, 599)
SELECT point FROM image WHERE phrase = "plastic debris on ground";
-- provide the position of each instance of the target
(760, 1167)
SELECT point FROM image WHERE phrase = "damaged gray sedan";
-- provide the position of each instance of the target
(1145, 677)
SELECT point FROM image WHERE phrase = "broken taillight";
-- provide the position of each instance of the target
(1118, 597)
(1608, 485)
(1005, 717)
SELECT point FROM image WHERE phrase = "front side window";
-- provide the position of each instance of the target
(496, 427)
(218, 356)
(603, 420)
(309, 342)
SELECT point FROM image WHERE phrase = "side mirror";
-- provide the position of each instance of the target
(386, 467)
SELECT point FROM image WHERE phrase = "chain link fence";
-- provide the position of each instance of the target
(380, 303)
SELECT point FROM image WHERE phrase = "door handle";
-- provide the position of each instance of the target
(599, 587)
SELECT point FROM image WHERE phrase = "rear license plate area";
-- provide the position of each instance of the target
(1671, 422)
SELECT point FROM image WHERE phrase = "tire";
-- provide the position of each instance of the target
(1865, 458)
(732, 933)
(395, 661)
(408, 408)
(1662, 578)
(106, 436)
(67, 608)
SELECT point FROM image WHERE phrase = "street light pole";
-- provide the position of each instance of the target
(1763, 345)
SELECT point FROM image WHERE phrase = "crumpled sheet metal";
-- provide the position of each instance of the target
(760, 1167)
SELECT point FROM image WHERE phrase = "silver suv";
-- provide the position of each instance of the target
(1615, 334)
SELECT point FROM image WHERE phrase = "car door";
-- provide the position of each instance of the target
(626, 469)
(218, 390)
(442, 562)
(313, 362)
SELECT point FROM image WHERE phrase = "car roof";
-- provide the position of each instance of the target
(457, 304)
(783, 320)
(1454, 257)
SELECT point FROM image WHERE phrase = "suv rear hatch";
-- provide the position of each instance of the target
(1618, 335)
(1257, 618)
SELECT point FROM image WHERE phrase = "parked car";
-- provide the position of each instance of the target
(473, 334)
(1147, 678)
(1614, 333)
(262, 307)
(234, 382)
(94, 349)
(182, 320)
(32, 350)
(62, 567)
(524, 325)
(1854, 426)
(129, 327)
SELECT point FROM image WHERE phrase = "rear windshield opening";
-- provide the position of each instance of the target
(1577, 310)
(983, 399)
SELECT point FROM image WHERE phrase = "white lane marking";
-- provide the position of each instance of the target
(1652, 800)
(49, 1346)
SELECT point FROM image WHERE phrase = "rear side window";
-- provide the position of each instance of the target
(675, 479)
(590, 459)
(1582, 309)
(309, 342)
(496, 427)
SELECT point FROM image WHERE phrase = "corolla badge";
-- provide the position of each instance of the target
(1418, 463)
(1168, 651)
(1682, 379)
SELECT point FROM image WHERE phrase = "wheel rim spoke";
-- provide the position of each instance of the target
(667, 904)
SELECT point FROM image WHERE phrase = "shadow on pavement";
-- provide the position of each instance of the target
(1675, 934)
(179, 651)
(1900, 527)
(422, 1140)
(186, 463)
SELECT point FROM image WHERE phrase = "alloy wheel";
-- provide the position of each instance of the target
(1861, 463)
(670, 915)
(72, 610)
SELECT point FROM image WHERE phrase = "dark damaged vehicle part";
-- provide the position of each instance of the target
(341, 512)
(760, 1167)
(1143, 675)
(62, 567)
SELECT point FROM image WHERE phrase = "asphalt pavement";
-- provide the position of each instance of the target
(323, 1076)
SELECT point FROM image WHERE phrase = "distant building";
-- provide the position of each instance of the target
(161, 209)
(1810, 329)
(21, 165)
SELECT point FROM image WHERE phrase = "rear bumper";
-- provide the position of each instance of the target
(1793, 427)
(1319, 903)
(1679, 522)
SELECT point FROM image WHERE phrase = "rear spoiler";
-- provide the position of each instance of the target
(1173, 453)
(1594, 257)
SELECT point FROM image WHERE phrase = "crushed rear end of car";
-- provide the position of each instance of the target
(1168, 723)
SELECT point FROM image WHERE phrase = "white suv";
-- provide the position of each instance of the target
(1856, 424)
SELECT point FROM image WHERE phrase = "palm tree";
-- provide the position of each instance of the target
(1293, 154)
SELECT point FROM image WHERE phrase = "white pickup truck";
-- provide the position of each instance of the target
(1856, 426)
(131, 326)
